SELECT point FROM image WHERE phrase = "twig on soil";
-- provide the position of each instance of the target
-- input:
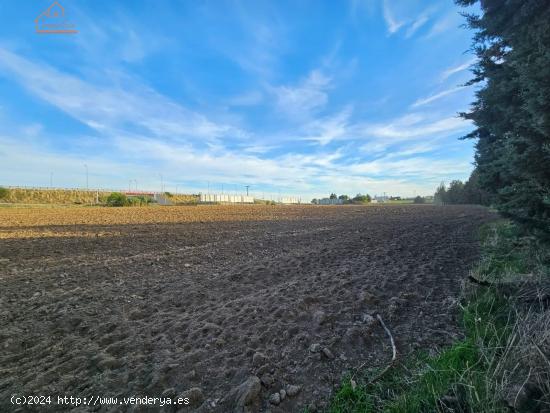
(394, 351)
(484, 283)
(394, 354)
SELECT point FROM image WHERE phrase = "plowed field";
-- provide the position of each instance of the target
(157, 301)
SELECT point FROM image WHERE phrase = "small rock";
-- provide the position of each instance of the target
(168, 393)
(243, 398)
(315, 348)
(190, 375)
(319, 317)
(267, 380)
(292, 390)
(186, 265)
(327, 353)
(316, 356)
(266, 368)
(195, 396)
(282, 393)
(275, 399)
(368, 319)
(259, 359)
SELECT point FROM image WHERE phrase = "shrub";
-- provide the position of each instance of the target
(4, 192)
(419, 200)
(116, 199)
(139, 200)
(361, 199)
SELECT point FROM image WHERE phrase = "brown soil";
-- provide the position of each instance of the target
(135, 301)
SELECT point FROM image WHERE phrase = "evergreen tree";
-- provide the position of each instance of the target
(512, 109)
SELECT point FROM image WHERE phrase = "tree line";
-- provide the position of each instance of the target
(357, 199)
(511, 112)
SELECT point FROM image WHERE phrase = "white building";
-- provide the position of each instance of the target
(289, 200)
(226, 199)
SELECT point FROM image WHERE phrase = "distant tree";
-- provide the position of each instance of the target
(344, 198)
(333, 196)
(4, 192)
(440, 196)
(419, 200)
(455, 192)
(361, 199)
(463, 193)
(314, 201)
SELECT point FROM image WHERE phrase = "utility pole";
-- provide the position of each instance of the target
(86, 166)
(247, 186)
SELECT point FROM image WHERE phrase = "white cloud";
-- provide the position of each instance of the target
(392, 23)
(456, 69)
(437, 96)
(447, 22)
(304, 99)
(413, 126)
(328, 129)
(110, 108)
(417, 24)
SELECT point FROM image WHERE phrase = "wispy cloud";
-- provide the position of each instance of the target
(437, 96)
(243, 96)
(456, 69)
(327, 129)
(412, 126)
(444, 24)
(392, 24)
(305, 98)
(417, 24)
(112, 108)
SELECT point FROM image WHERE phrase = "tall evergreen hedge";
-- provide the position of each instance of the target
(512, 107)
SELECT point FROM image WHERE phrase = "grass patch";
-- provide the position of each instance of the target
(480, 372)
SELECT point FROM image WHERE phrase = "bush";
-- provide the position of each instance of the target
(361, 199)
(4, 192)
(419, 200)
(139, 200)
(116, 199)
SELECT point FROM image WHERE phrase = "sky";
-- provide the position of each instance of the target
(300, 98)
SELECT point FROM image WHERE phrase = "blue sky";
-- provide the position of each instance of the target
(293, 97)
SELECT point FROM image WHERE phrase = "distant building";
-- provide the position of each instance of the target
(225, 199)
(380, 199)
(290, 200)
(330, 201)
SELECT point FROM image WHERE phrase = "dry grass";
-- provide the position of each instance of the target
(53, 196)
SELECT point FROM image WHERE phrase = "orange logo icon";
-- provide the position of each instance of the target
(52, 21)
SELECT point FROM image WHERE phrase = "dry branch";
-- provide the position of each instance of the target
(394, 351)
